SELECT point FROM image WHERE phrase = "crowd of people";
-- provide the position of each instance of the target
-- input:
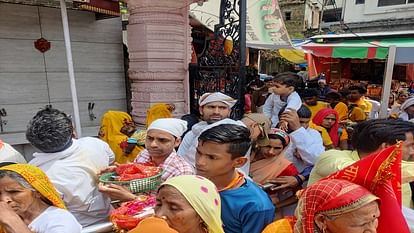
(300, 160)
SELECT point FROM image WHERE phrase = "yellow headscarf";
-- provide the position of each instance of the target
(203, 197)
(38, 180)
(110, 132)
(157, 111)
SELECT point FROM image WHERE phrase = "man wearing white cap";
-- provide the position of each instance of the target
(163, 135)
(214, 107)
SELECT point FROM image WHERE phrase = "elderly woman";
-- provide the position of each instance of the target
(189, 204)
(332, 206)
(337, 206)
(29, 203)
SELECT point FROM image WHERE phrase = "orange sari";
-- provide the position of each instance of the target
(266, 169)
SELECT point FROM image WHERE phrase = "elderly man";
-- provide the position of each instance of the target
(70, 165)
(163, 135)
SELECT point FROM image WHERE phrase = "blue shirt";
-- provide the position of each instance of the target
(247, 209)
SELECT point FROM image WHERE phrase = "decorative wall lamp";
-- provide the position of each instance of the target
(42, 45)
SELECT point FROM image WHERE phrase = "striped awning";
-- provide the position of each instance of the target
(359, 49)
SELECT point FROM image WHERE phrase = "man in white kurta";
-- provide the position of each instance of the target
(306, 144)
(214, 107)
(70, 165)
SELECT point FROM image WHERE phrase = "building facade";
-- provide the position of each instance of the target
(301, 17)
(368, 15)
(31, 79)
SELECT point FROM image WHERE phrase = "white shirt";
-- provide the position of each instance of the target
(188, 146)
(308, 144)
(376, 106)
(102, 150)
(409, 217)
(9, 154)
(73, 173)
(274, 104)
(55, 220)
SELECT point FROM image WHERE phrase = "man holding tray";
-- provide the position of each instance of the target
(163, 136)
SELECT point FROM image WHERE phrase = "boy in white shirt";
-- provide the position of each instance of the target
(283, 98)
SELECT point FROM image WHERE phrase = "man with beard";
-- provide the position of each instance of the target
(214, 112)
(213, 108)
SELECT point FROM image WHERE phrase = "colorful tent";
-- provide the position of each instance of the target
(357, 48)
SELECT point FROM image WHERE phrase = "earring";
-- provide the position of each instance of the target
(164, 217)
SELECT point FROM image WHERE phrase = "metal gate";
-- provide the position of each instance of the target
(221, 65)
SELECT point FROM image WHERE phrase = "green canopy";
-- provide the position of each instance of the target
(354, 48)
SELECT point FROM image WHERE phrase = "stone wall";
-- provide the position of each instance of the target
(159, 41)
(295, 25)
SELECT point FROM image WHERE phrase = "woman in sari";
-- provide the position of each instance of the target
(269, 162)
(326, 121)
(115, 128)
(29, 203)
(189, 204)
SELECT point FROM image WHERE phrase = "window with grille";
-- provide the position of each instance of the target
(393, 2)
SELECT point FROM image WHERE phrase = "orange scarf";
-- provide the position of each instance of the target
(270, 168)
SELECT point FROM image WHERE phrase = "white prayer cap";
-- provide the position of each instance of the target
(407, 103)
(173, 126)
(216, 97)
